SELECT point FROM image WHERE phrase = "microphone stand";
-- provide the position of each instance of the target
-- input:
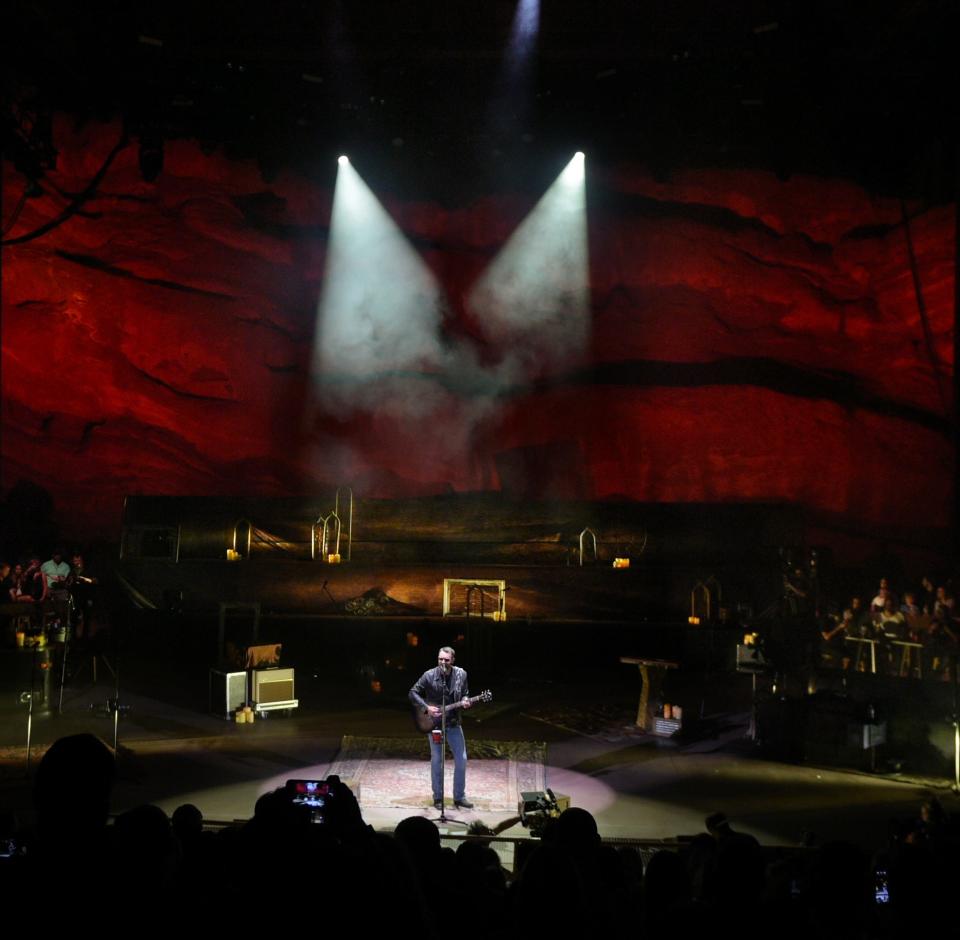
(443, 747)
(443, 818)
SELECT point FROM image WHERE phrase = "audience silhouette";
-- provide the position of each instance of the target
(280, 864)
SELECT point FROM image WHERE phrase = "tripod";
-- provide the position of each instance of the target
(85, 653)
(113, 708)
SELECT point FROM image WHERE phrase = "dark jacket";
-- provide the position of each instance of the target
(427, 690)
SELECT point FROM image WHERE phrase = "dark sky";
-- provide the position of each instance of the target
(838, 89)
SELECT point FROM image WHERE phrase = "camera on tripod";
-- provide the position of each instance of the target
(536, 808)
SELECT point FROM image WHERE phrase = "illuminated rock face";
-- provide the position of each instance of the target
(749, 340)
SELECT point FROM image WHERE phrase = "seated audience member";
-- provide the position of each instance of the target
(15, 589)
(6, 584)
(421, 839)
(862, 626)
(719, 827)
(576, 831)
(862, 621)
(932, 824)
(918, 622)
(33, 580)
(909, 607)
(700, 858)
(666, 889)
(739, 875)
(82, 766)
(478, 870)
(56, 573)
(796, 592)
(892, 623)
(82, 587)
(19, 585)
(71, 839)
(883, 593)
(550, 873)
(835, 650)
(927, 595)
(944, 605)
(941, 644)
(146, 855)
(187, 824)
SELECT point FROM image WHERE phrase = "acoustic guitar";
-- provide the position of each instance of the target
(426, 722)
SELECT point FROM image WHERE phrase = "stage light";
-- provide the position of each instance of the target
(533, 299)
(343, 160)
(523, 36)
(574, 172)
(524, 31)
(379, 311)
(510, 102)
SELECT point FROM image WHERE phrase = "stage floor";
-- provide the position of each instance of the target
(637, 786)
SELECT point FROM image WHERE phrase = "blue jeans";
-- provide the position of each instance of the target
(458, 747)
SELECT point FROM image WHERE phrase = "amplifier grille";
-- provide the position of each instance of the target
(272, 685)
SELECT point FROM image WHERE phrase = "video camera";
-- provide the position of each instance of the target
(536, 808)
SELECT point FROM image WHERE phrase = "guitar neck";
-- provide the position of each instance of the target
(459, 704)
(425, 721)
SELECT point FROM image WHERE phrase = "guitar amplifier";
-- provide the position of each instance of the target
(272, 685)
(228, 691)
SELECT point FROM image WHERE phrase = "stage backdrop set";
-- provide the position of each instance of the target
(746, 339)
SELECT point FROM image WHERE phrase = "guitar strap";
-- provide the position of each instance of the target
(455, 691)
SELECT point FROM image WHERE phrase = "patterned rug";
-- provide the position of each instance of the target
(395, 772)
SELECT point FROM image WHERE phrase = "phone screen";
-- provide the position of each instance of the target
(881, 891)
(312, 793)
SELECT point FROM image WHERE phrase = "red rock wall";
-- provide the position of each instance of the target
(751, 339)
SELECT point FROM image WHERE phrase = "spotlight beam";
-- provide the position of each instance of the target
(533, 299)
(380, 307)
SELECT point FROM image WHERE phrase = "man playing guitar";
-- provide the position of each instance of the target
(446, 682)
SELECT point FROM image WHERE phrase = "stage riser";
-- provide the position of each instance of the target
(473, 527)
(827, 728)
(333, 648)
(540, 592)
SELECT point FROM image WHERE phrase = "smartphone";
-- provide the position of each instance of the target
(312, 793)
(881, 888)
(9, 847)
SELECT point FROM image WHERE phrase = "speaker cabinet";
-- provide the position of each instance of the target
(228, 691)
(272, 685)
